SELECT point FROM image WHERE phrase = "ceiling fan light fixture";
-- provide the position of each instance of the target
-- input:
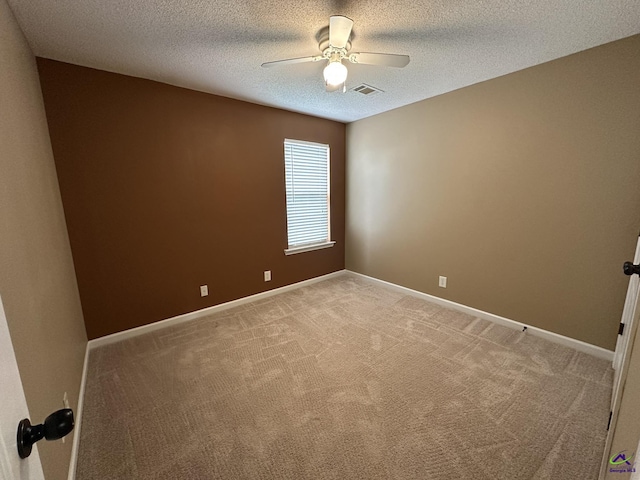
(335, 73)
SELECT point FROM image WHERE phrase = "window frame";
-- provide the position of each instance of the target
(315, 245)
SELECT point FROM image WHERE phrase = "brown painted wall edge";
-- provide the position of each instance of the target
(166, 189)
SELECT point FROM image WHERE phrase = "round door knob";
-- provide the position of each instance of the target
(629, 268)
(55, 426)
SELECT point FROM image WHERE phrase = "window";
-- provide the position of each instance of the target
(306, 173)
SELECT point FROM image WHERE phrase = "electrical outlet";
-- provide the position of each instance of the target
(204, 290)
(267, 275)
(442, 282)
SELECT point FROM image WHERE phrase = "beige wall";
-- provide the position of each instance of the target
(37, 280)
(522, 190)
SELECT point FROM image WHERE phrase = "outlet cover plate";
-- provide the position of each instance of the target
(65, 404)
(442, 282)
(204, 290)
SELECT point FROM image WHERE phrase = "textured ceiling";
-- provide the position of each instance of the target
(218, 46)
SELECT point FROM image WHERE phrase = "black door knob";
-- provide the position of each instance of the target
(55, 426)
(629, 268)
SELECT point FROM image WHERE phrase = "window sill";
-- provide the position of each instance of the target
(308, 248)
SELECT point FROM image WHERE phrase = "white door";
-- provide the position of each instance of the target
(12, 410)
(622, 345)
(621, 362)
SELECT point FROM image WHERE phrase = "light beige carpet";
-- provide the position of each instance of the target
(342, 380)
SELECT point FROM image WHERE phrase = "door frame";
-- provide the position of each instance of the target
(622, 342)
(14, 408)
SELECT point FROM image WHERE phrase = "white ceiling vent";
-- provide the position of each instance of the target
(365, 89)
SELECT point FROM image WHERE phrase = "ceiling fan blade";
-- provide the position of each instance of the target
(291, 61)
(385, 59)
(339, 31)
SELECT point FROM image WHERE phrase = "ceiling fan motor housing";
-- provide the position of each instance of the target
(324, 45)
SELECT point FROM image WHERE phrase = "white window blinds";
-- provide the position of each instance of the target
(307, 187)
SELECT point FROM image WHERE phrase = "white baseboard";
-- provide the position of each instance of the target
(78, 418)
(169, 322)
(539, 332)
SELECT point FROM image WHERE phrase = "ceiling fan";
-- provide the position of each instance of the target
(335, 44)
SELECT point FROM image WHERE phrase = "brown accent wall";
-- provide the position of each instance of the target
(37, 282)
(523, 190)
(166, 189)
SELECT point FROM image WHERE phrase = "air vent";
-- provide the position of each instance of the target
(365, 89)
